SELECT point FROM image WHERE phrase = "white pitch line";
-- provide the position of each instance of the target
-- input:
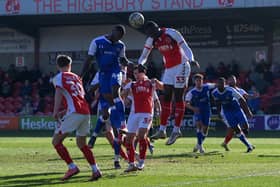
(218, 179)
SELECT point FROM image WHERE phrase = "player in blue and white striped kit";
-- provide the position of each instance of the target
(198, 100)
(109, 52)
(234, 106)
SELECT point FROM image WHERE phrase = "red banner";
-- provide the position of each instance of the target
(9, 123)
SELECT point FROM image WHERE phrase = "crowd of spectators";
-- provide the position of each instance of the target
(25, 91)
(30, 92)
(261, 81)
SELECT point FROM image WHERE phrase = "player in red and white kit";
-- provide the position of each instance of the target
(141, 114)
(68, 88)
(176, 55)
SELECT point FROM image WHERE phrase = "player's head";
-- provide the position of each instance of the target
(221, 83)
(231, 81)
(139, 72)
(198, 80)
(151, 29)
(118, 32)
(64, 62)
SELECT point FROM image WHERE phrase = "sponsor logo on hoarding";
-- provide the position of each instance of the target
(37, 123)
(8, 123)
(272, 122)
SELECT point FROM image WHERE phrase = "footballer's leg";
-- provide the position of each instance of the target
(142, 133)
(204, 128)
(116, 82)
(81, 133)
(81, 143)
(197, 119)
(228, 137)
(131, 152)
(132, 126)
(99, 124)
(179, 114)
(64, 155)
(229, 133)
(243, 138)
(61, 132)
(144, 125)
(166, 111)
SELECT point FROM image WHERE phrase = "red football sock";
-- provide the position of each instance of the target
(88, 154)
(166, 110)
(123, 154)
(63, 153)
(179, 113)
(228, 137)
(110, 138)
(143, 148)
(130, 152)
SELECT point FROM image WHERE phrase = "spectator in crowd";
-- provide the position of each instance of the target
(44, 86)
(35, 74)
(254, 100)
(6, 89)
(234, 68)
(26, 109)
(12, 72)
(7, 78)
(26, 88)
(210, 72)
(259, 81)
(267, 75)
(25, 74)
(260, 66)
(275, 69)
(222, 70)
(2, 72)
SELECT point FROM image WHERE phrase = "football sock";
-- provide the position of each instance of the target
(110, 138)
(166, 110)
(117, 158)
(116, 146)
(130, 152)
(203, 136)
(88, 154)
(123, 154)
(243, 139)
(143, 148)
(228, 137)
(179, 113)
(199, 137)
(176, 129)
(72, 165)
(63, 153)
(94, 168)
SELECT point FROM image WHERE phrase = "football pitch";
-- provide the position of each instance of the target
(27, 161)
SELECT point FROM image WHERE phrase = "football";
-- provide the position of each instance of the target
(136, 20)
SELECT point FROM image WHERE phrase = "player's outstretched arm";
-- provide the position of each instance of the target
(146, 51)
(245, 107)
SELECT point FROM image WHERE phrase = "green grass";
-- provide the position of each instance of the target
(26, 161)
